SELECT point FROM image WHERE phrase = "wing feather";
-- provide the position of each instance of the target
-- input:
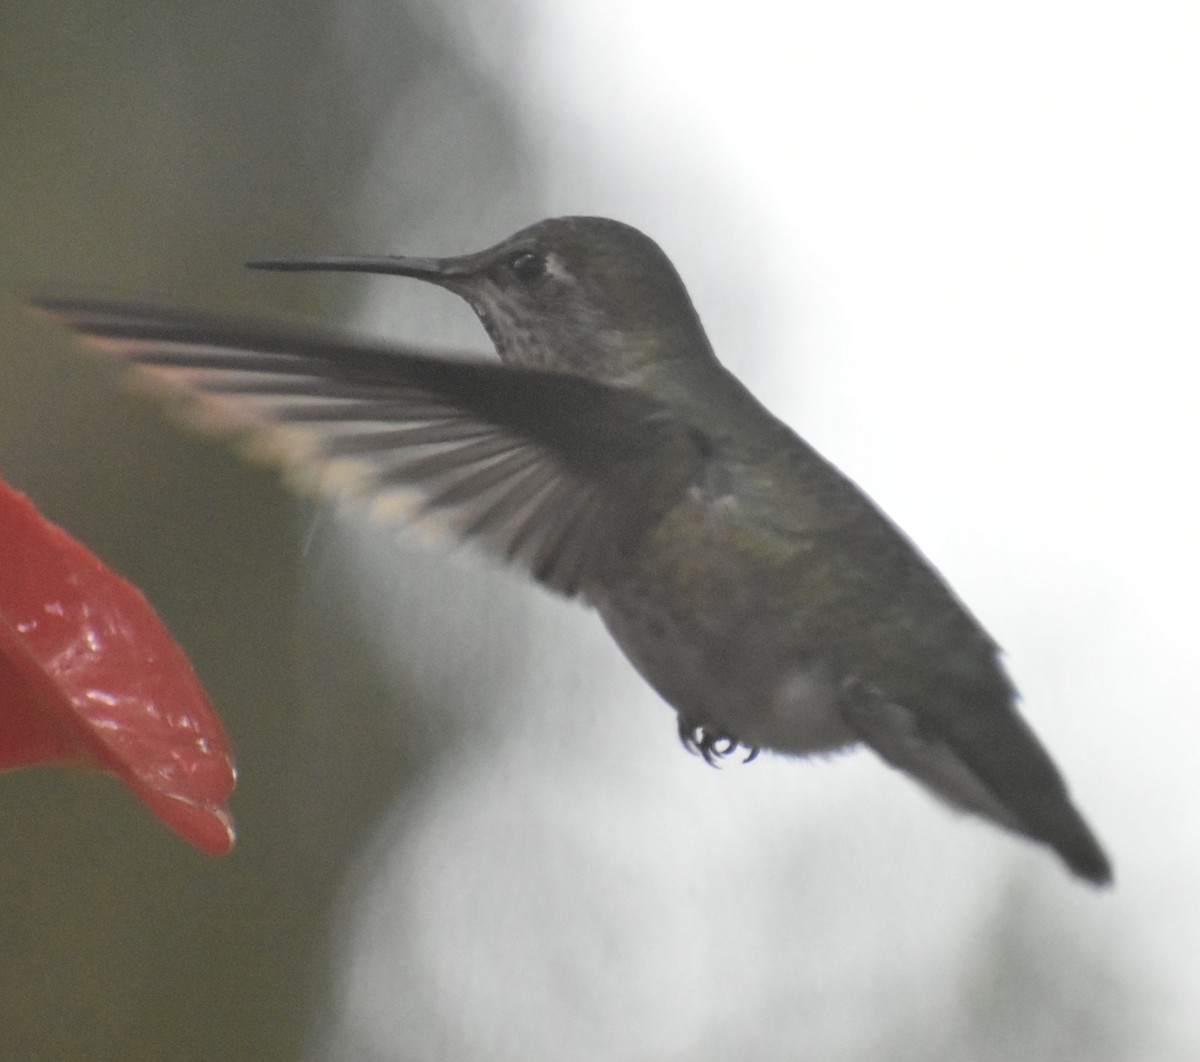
(557, 473)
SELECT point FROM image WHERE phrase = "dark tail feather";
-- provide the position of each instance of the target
(1066, 832)
(987, 762)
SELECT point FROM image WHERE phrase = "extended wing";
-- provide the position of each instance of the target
(554, 472)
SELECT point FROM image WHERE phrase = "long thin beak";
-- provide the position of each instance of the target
(443, 271)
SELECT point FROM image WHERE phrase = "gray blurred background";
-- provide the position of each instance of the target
(957, 251)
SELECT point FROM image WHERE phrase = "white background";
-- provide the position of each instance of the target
(958, 248)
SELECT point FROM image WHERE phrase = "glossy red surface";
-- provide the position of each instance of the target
(90, 677)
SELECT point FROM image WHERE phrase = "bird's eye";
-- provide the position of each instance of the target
(527, 266)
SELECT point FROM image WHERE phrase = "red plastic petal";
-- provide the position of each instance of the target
(89, 677)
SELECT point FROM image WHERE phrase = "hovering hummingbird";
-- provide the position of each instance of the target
(611, 455)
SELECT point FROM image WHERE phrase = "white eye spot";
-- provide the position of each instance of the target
(554, 267)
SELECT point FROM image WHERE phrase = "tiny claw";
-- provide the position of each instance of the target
(714, 745)
(691, 737)
(708, 749)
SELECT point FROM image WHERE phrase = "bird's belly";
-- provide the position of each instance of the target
(734, 683)
(702, 612)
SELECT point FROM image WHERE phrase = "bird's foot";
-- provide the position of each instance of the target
(714, 745)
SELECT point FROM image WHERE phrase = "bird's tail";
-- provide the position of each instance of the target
(989, 763)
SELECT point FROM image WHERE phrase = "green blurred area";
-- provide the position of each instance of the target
(150, 148)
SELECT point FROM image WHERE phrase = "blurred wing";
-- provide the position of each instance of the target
(550, 471)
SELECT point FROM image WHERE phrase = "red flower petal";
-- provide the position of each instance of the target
(89, 677)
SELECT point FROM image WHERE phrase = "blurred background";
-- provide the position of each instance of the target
(956, 247)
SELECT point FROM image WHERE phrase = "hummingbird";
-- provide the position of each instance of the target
(611, 455)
